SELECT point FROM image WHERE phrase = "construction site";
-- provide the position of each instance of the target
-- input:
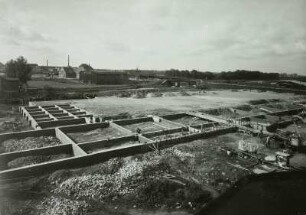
(173, 152)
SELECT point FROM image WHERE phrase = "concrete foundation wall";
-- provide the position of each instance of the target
(144, 139)
(120, 128)
(77, 151)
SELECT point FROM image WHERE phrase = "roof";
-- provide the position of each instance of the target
(108, 71)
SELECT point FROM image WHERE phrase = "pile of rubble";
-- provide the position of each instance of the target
(12, 145)
(60, 205)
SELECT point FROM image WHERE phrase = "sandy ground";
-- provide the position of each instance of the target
(161, 105)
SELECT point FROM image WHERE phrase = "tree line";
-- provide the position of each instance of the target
(19, 68)
(230, 75)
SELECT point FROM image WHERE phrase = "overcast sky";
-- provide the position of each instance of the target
(208, 35)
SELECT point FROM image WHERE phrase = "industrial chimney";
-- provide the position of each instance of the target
(68, 61)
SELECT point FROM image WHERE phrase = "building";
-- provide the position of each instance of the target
(82, 68)
(2, 68)
(102, 76)
(9, 89)
(45, 72)
(66, 72)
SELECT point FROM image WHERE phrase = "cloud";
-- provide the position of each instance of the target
(17, 34)
(159, 34)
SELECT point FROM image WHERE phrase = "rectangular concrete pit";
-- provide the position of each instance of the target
(145, 124)
(76, 162)
(56, 112)
(74, 110)
(57, 123)
(60, 114)
(44, 120)
(93, 147)
(38, 114)
(50, 108)
(42, 116)
(167, 134)
(65, 117)
(30, 157)
(35, 111)
(31, 109)
(206, 126)
(30, 142)
(71, 109)
(67, 106)
(186, 119)
(93, 132)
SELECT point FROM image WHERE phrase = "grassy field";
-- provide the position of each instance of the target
(60, 84)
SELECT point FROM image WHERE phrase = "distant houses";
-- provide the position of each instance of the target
(85, 73)
(104, 76)
(67, 72)
(2, 68)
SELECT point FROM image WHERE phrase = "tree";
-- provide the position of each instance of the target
(87, 67)
(20, 69)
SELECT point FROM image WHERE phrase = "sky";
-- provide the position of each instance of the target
(207, 35)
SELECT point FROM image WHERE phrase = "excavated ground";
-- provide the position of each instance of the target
(177, 180)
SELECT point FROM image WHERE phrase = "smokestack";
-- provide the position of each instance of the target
(68, 61)
(47, 63)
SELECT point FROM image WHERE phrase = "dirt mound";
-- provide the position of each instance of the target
(258, 102)
(60, 205)
(155, 94)
(169, 94)
(138, 95)
(171, 193)
(184, 93)
(219, 111)
(244, 107)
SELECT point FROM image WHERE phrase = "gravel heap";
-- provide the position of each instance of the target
(12, 145)
(59, 205)
(101, 186)
(139, 180)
